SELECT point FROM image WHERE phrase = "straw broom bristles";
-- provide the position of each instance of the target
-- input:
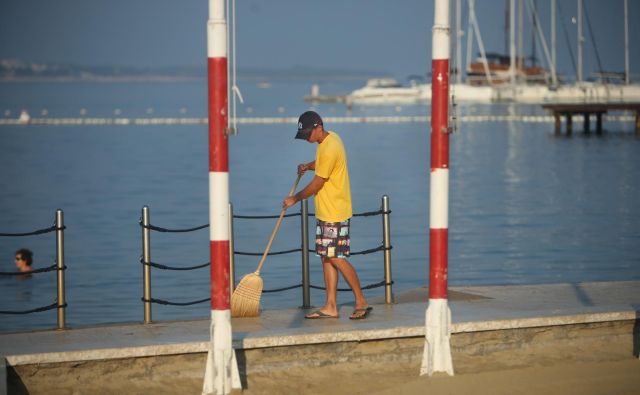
(245, 300)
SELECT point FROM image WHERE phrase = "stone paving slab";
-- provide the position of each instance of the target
(473, 309)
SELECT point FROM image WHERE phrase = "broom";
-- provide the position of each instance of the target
(245, 300)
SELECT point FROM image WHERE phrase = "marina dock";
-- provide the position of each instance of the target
(587, 110)
(493, 328)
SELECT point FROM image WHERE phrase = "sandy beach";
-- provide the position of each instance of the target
(619, 377)
(571, 377)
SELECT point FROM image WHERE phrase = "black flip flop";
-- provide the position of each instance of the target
(366, 312)
(318, 314)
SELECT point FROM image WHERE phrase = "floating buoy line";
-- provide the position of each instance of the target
(70, 121)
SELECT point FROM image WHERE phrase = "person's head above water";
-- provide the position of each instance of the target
(24, 259)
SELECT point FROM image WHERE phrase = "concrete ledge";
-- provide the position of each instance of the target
(369, 332)
(493, 327)
(471, 351)
(418, 331)
(103, 354)
(537, 322)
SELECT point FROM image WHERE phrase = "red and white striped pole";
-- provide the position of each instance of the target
(437, 349)
(221, 373)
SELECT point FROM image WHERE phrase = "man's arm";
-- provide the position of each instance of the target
(311, 189)
(306, 166)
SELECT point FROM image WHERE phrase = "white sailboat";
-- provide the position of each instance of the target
(496, 78)
(388, 90)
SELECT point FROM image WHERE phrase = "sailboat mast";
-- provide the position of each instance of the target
(483, 54)
(512, 41)
(469, 39)
(580, 40)
(534, 27)
(543, 42)
(507, 25)
(553, 43)
(626, 42)
(458, 42)
(520, 47)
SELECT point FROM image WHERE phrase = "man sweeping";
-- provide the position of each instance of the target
(330, 185)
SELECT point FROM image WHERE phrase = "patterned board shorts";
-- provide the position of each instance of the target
(332, 239)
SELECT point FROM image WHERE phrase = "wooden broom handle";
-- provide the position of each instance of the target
(275, 229)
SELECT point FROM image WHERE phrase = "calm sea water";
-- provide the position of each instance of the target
(525, 206)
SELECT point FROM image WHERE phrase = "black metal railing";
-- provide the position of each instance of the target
(305, 284)
(58, 267)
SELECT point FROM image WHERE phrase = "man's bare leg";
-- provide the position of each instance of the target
(350, 275)
(331, 283)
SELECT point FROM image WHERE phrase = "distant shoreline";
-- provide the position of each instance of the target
(161, 78)
(102, 79)
(18, 71)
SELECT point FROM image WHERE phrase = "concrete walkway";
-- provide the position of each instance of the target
(473, 309)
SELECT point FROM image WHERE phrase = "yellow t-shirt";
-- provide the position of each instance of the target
(333, 200)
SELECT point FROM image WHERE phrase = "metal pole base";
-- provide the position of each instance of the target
(437, 342)
(221, 374)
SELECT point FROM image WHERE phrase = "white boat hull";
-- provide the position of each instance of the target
(531, 94)
(397, 95)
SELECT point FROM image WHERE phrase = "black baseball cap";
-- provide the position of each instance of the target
(306, 123)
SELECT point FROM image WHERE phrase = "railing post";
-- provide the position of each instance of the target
(304, 232)
(386, 237)
(146, 268)
(60, 263)
(232, 260)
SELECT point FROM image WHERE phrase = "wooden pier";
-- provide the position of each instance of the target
(587, 110)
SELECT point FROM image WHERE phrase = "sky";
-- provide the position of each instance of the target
(367, 35)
